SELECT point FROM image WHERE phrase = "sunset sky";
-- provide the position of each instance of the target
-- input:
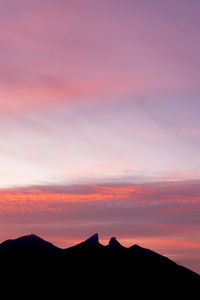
(99, 122)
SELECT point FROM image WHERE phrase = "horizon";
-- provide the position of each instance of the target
(99, 123)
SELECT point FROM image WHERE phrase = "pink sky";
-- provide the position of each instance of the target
(99, 97)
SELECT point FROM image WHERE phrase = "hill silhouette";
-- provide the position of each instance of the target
(114, 270)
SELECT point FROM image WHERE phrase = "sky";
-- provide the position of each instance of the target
(99, 122)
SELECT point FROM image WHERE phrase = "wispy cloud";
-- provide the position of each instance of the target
(51, 57)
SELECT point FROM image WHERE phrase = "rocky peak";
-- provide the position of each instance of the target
(114, 243)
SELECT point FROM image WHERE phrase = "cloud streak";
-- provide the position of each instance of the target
(51, 57)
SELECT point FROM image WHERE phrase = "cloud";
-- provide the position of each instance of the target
(158, 194)
(160, 205)
(55, 54)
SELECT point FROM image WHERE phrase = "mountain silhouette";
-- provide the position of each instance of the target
(27, 243)
(110, 270)
(113, 243)
(90, 243)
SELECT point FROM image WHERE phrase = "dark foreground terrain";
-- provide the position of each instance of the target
(31, 266)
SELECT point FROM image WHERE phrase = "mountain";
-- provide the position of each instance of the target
(89, 266)
(114, 244)
(27, 243)
(90, 243)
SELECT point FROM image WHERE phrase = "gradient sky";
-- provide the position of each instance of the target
(99, 122)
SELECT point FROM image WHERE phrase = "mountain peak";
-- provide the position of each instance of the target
(93, 240)
(28, 242)
(114, 243)
(91, 243)
(30, 237)
(135, 246)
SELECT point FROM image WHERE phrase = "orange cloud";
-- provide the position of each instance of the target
(28, 199)
(42, 198)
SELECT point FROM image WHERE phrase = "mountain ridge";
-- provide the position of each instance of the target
(34, 242)
(89, 264)
(93, 241)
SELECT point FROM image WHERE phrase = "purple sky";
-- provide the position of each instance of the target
(101, 93)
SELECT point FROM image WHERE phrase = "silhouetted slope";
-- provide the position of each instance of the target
(90, 243)
(28, 243)
(144, 255)
(112, 269)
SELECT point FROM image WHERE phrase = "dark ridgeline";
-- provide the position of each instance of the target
(31, 265)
